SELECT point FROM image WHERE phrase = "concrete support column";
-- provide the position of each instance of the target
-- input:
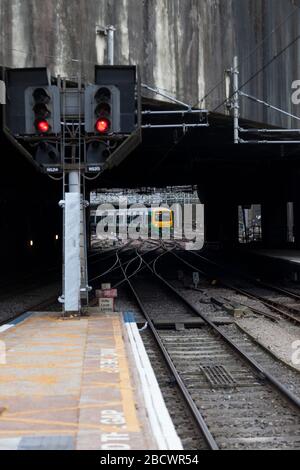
(221, 223)
(211, 222)
(274, 224)
(297, 223)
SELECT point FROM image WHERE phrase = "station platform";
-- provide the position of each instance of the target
(289, 257)
(79, 384)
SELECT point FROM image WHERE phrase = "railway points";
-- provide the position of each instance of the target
(55, 359)
(145, 296)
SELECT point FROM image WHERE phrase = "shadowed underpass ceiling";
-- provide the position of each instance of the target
(204, 156)
(168, 157)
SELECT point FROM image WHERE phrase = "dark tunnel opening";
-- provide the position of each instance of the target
(31, 220)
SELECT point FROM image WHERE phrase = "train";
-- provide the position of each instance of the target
(113, 223)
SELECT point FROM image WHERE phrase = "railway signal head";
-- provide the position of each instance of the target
(42, 126)
(42, 110)
(102, 110)
(103, 125)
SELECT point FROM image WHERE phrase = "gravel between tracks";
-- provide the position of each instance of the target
(15, 304)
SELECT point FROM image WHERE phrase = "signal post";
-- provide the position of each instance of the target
(79, 133)
(76, 133)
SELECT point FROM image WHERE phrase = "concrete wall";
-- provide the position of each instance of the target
(182, 46)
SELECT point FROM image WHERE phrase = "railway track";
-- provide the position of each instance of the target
(174, 376)
(40, 290)
(115, 266)
(222, 390)
(289, 311)
(49, 302)
(235, 401)
(20, 286)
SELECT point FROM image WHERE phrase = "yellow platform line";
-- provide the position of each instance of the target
(67, 424)
(69, 408)
(50, 365)
(39, 432)
(44, 353)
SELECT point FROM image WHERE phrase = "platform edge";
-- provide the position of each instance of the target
(160, 421)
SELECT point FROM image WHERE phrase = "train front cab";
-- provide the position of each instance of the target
(162, 222)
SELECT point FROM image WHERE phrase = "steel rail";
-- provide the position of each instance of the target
(278, 289)
(115, 266)
(184, 391)
(292, 398)
(125, 264)
(140, 268)
(109, 270)
(110, 253)
(273, 305)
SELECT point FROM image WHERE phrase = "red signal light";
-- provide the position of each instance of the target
(43, 126)
(102, 125)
